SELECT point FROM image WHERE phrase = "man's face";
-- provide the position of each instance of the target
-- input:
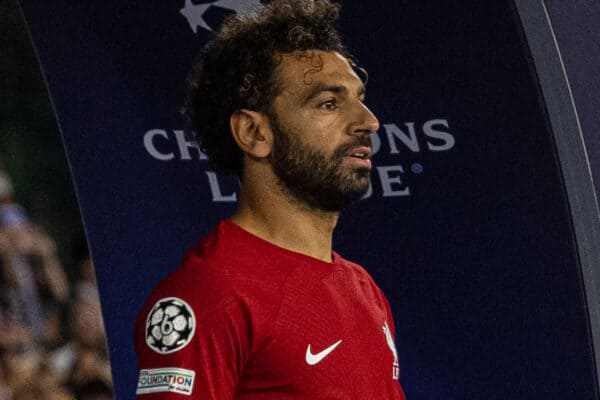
(321, 145)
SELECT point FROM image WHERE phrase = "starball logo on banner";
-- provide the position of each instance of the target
(434, 135)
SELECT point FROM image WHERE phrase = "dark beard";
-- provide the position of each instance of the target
(314, 178)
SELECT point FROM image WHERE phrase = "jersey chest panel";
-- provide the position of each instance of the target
(328, 339)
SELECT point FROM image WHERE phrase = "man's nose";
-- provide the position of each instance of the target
(366, 122)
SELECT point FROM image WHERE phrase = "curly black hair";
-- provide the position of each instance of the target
(236, 69)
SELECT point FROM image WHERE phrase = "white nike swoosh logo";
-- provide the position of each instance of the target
(312, 359)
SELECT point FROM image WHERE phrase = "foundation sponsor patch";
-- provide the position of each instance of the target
(175, 380)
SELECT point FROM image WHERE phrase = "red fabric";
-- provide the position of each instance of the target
(258, 307)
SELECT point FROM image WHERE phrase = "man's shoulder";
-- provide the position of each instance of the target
(351, 266)
(359, 272)
(220, 268)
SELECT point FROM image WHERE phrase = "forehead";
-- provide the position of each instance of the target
(300, 71)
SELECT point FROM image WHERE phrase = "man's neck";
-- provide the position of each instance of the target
(286, 222)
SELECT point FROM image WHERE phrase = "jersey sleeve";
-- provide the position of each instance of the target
(188, 353)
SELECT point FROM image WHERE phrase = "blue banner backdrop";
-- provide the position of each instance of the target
(466, 229)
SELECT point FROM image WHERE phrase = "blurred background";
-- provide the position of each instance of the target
(52, 340)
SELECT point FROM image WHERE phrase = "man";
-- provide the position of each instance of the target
(262, 308)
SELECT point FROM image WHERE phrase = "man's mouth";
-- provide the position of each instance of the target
(359, 156)
(364, 153)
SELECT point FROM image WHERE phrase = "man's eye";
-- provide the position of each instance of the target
(329, 105)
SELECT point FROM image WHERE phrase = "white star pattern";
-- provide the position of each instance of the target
(194, 13)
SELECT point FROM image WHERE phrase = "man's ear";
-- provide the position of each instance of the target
(252, 132)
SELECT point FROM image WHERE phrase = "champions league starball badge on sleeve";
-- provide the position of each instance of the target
(170, 325)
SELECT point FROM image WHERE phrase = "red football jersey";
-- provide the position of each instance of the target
(244, 319)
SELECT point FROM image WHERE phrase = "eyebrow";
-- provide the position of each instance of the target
(338, 89)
